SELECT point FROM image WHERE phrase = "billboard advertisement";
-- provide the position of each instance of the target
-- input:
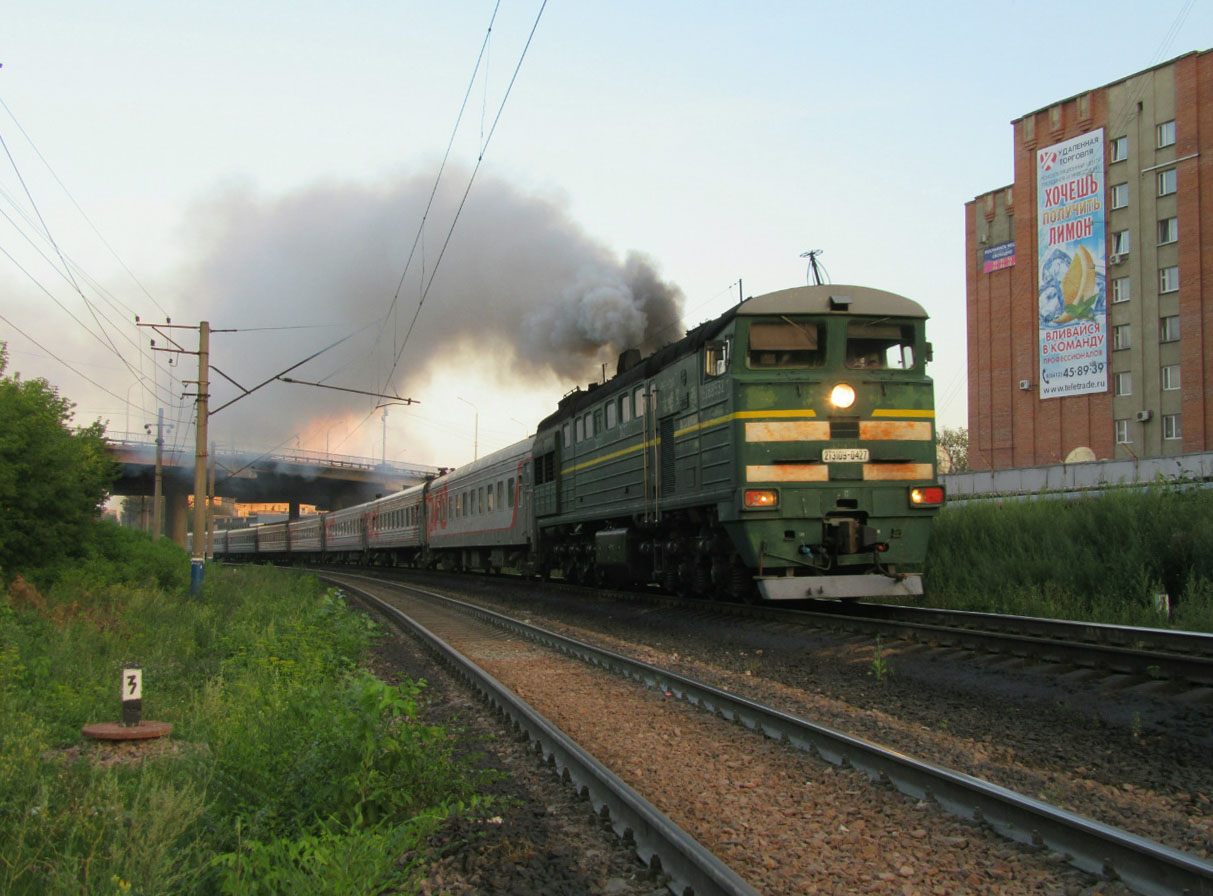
(1072, 266)
(998, 257)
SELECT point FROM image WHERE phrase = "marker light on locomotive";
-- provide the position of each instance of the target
(926, 496)
(842, 396)
(761, 499)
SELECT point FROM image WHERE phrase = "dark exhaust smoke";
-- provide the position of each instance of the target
(520, 287)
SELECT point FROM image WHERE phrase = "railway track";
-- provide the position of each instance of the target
(1098, 849)
(1154, 654)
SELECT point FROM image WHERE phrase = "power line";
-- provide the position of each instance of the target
(418, 240)
(467, 190)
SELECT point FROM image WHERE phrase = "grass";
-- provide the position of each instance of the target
(1099, 559)
(294, 770)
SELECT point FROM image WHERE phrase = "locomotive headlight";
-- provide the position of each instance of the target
(842, 396)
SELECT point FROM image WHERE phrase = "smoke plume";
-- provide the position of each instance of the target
(519, 286)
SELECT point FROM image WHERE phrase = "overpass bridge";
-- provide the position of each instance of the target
(290, 477)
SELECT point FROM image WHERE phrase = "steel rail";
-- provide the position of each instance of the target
(1149, 653)
(691, 869)
(1145, 866)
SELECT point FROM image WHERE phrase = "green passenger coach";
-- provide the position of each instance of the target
(784, 450)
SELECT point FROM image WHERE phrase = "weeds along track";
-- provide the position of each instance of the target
(803, 809)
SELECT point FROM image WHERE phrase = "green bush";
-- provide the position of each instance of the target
(288, 770)
(1099, 558)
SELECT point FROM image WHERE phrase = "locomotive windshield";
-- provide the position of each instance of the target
(785, 343)
(879, 345)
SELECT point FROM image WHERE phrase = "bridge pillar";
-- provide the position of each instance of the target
(293, 510)
(178, 516)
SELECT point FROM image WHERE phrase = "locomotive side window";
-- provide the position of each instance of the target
(625, 409)
(878, 345)
(581, 429)
(567, 434)
(785, 343)
(611, 408)
(716, 358)
(638, 402)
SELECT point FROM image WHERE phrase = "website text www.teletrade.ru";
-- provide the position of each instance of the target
(1067, 388)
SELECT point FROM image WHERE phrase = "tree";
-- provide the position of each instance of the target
(53, 479)
(955, 444)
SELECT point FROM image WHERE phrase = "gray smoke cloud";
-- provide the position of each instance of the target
(520, 286)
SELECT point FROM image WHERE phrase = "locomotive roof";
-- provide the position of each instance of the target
(826, 299)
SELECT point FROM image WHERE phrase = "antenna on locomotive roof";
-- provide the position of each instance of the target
(813, 274)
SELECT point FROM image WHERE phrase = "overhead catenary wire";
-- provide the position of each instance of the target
(463, 200)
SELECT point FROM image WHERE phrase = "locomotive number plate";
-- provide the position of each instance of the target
(844, 455)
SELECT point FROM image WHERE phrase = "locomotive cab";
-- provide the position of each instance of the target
(835, 435)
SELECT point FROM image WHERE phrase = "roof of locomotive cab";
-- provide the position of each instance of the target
(864, 300)
(816, 300)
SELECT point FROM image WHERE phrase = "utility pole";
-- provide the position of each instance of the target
(158, 490)
(198, 557)
(210, 505)
(198, 554)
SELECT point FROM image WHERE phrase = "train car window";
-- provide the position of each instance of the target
(500, 493)
(480, 499)
(879, 345)
(581, 429)
(716, 357)
(509, 493)
(638, 402)
(596, 426)
(625, 409)
(612, 410)
(488, 507)
(785, 343)
(567, 433)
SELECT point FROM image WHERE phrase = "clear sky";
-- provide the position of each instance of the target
(267, 166)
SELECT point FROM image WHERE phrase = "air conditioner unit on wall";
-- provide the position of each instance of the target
(1114, 258)
(1143, 416)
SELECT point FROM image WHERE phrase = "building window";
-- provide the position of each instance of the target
(1170, 378)
(1118, 149)
(1168, 328)
(1168, 279)
(1168, 182)
(1170, 427)
(1120, 242)
(1168, 231)
(1120, 337)
(1124, 383)
(1122, 432)
(1166, 134)
(1121, 291)
(1120, 195)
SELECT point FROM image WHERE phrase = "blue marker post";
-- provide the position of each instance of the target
(196, 573)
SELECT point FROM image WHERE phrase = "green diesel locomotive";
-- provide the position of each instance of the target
(784, 450)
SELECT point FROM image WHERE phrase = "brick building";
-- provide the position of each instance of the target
(1088, 320)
